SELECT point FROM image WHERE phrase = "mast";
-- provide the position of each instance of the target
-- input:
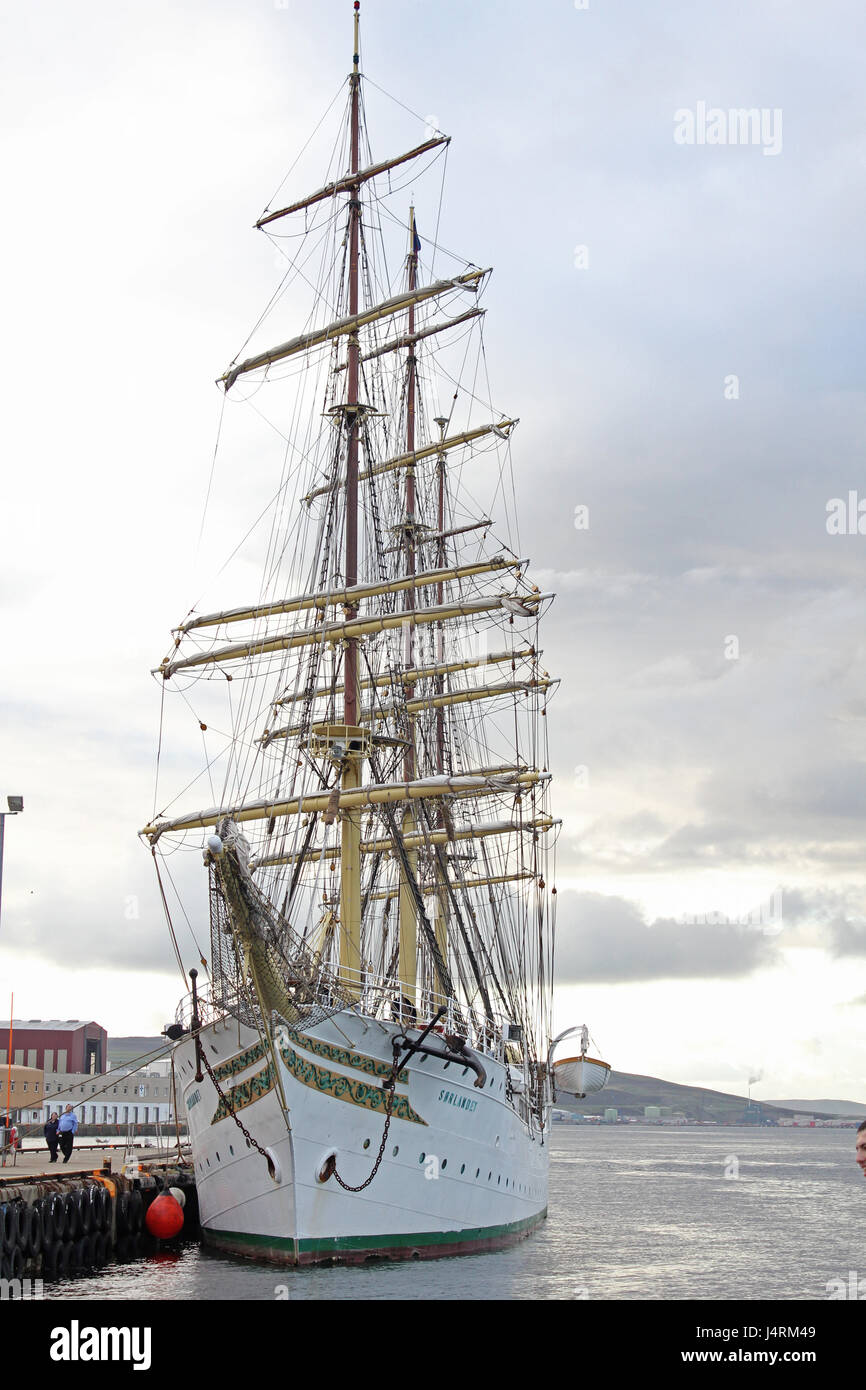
(352, 762)
(439, 684)
(408, 910)
(440, 550)
(352, 403)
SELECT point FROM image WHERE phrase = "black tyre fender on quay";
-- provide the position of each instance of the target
(43, 1206)
(65, 1258)
(58, 1215)
(82, 1203)
(25, 1219)
(50, 1257)
(16, 1262)
(122, 1213)
(35, 1235)
(97, 1213)
(73, 1225)
(136, 1211)
(8, 1226)
(39, 1230)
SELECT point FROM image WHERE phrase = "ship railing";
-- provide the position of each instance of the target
(380, 997)
(396, 1001)
(215, 1000)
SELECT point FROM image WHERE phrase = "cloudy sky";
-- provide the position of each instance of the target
(677, 321)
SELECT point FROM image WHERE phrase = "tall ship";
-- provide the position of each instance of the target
(365, 1056)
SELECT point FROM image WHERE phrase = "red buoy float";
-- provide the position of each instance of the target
(164, 1217)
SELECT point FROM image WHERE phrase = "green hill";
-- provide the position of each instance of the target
(122, 1051)
(629, 1094)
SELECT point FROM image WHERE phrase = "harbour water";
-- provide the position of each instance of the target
(636, 1213)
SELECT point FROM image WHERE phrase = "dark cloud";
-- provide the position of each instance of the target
(830, 918)
(606, 940)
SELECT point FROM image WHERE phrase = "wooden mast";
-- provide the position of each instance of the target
(352, 763)
(407, 971)
(351, 412)
(441, 925)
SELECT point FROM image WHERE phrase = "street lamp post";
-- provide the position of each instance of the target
(16, 806)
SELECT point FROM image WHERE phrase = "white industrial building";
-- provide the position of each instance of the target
(112, 1098)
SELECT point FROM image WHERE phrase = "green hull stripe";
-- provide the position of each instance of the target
(334, 1083)
(359, 1060)
(245, 1093)
(391, 1242)
(240, 1061)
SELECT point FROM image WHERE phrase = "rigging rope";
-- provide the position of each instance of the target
(168, 915)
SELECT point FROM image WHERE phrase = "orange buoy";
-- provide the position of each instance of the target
(164, 1217)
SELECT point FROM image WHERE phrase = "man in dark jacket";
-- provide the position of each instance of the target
(51, 1136)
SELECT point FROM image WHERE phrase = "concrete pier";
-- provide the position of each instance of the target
(32, 1163)
(60, 1219)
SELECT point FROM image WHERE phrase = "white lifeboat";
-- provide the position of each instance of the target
(578, 1076)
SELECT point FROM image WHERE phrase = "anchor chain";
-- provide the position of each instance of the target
(241, 1126)
(388, 1086)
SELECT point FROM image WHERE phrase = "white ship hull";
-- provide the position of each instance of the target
(461, 1171)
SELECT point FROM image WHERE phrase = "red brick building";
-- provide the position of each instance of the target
(55, 1045)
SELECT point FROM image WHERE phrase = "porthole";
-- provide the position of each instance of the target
(492, 1079)
(366, 1143)
(218, 1155)
(499, 1180)
(489, 1176)
(231, 1150)
(446, 1066)
(463, 1167)
(477, 1171)
(395, 1150)
(444, 1163)
(421, 1158)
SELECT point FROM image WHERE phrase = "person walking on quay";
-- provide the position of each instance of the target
(67, 1129)
(51, 1136)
